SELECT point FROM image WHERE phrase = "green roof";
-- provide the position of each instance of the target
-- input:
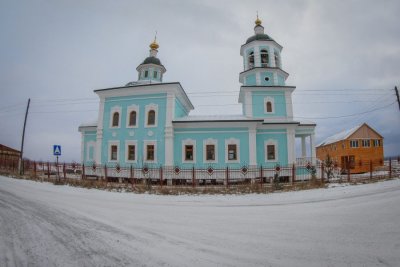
(152, 60)
(260, 37)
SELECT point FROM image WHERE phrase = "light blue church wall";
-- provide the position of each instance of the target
(250, 79)
(279, 104)
(220, 135)
(269, 76)
(179, 109)
(278, 136)
(281, 80)
(89, 136)
(141, 133)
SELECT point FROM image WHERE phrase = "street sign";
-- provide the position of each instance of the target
(56, 150)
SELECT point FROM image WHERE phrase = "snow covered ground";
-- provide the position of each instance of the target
(46, 225)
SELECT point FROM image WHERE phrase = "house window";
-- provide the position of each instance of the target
(155, 74)
(189, 152)
(251, 60)
(132, 118)
(146, 73)
(210, 152)
(271, 152)
(114, 152)
(232, 152)
(366, 143)
(131, 152)
(150, 152)
(353, 143)
(264, 58)
(151, 118)
(377, 142)
(115, 119)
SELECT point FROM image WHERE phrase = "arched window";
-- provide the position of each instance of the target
(151, 117)
(269, 106)
(251, 60)
(277, 62)
(264, 58)
(115, 120)
(132, 118)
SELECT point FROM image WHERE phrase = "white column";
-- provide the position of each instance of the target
(312, 146)
(99, 135)
(252, 146)
(258, 78)
(291, 146)
(303, 147)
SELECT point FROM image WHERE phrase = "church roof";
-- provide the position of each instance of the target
(215, 118)
(152, 60)
(260, 37)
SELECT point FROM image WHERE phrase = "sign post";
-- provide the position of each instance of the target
(57, 152)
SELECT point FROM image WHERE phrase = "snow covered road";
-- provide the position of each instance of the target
(46, 225)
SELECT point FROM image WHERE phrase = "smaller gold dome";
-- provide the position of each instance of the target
(258, 21)
(154, 45)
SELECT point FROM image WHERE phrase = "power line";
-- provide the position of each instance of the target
(344, 116)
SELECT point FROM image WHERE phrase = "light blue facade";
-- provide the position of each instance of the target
(263, 135)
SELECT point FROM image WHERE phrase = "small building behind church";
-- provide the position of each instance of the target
(147, 122)
(354, 149)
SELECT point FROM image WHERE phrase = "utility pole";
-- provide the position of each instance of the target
(21, 165)
(397, 94)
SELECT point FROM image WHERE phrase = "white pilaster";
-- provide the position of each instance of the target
(252, 146)
(289, 106)
(312, 146)
(99, 135)
(169, 146)
(272, 57)
(249, 104)
(257, 59)
(291, 146)
(258, 78)
(82, 146)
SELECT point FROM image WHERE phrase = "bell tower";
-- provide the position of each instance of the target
(264, 93)
(262, 65)
(151, 70)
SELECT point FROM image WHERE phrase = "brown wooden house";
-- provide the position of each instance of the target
(357, 149)
(8, 153)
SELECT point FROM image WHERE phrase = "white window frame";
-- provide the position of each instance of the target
(366, 142)
(90, 144)
(149, 107)
(271, 142)
(272, 100)
(214, 142)
(188, 142)
(232, 141)
(128, 113)
(112, 111)
(111, 143)
(146, 143)
(354, 140)
(262, 53)
(377, 142)
(130, 143)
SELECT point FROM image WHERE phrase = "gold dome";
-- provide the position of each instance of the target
(154, 45)
(258, 21)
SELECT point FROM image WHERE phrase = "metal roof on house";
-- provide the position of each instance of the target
(340, 136)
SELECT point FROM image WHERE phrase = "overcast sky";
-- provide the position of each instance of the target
(343, 57)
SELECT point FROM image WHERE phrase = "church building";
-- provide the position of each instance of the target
(148, 123)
